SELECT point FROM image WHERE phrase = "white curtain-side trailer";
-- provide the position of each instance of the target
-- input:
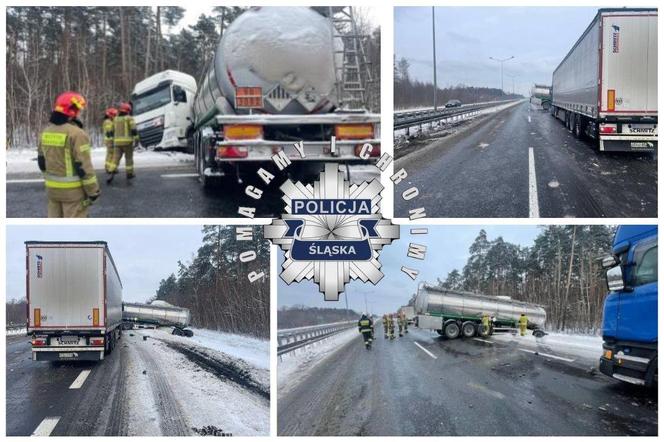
(74, 296)
(606, 86)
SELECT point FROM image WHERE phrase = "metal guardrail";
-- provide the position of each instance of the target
(406, 120)
(291, 339)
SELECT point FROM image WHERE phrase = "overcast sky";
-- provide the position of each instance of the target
(447, 249)
(537, 37)
(143, 254)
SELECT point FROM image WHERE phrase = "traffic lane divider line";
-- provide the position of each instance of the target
(180, 175)
(78, 382)
(532, 186)
(46, 427)
(546, 355)
(425, 350)
(483, 340)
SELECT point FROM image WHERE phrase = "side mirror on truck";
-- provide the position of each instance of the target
(179, 95)
(614, 279)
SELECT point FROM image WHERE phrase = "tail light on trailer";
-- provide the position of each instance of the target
(37, 317)
(232, 152)
(373, 152)
(248, 98)
(38, 341)
(95, 317)
(97, 342)
(243, 132)
(608, 128)
(353, 131)
(611, 100)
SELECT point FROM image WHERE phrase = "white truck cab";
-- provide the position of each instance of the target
(163, 109)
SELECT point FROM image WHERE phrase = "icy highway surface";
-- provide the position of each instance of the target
(522, 162)
(163, 386)
(166, 185)
(425, 385)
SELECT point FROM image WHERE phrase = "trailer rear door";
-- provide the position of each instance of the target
(629, 63)
(65, 287)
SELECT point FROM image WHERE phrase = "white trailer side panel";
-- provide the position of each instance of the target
(629, 62)
(113, 294)
(575, 82)
(65, 283)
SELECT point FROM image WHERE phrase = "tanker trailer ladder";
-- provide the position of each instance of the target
(354, 74)
(289, 340)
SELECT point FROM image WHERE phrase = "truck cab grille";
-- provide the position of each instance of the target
(151, 136)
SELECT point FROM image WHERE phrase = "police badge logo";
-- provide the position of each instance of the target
(332, 232)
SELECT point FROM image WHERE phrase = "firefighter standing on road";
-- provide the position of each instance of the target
(405, 322)
(401, 319)
(390, 326)
(365, 326)
(107, 129)
(523, 324)
(125, 138)
(64, 158)
(486, 325)
(385, 326)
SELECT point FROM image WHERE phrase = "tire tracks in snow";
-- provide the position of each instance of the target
(172, 422)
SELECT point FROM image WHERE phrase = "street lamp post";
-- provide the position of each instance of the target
(501, 61)
(435, 82)
(512, 77)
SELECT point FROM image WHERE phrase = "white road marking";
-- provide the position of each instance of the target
(532, 186)
(46, 427)
(483, 145)
(483, 340)
(31, 180)
(426, 351)
(179, 175)
(529, 120)
(482, 388)
(546, 355)
(78, 382)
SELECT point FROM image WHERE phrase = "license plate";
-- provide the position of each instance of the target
(68, 340)
(640, 129)
(642, 145)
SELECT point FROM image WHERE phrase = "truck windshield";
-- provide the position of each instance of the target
(152, 99)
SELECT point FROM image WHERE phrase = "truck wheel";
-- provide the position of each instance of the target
(483, 331)
(579, 127)
(468, 329)
(452, 330)
(539, 333)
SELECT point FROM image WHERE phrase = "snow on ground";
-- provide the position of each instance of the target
(203, 398)
(587, 347)
(293, 367)
(16, 331)
(24, 160)
(254, 351)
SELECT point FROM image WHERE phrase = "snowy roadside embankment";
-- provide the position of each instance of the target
(210, 388)
(293, 367)
(24, 160)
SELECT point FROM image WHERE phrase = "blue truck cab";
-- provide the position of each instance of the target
(629, 327)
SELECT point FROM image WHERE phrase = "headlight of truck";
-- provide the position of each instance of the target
(608, 354)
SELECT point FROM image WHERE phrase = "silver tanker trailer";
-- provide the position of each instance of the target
(158, 313)
(454, 313)
(280, 76)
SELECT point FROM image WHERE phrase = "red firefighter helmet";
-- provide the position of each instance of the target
(125, 107)
(69, 103)
(111, 112)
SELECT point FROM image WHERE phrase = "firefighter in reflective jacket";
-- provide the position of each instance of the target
(390, 326)
(385, 326)
(125, 138)
(107, 129)
(486, 325)
(63, 157)
(401, 319)
(523, 324)
(365, 326)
